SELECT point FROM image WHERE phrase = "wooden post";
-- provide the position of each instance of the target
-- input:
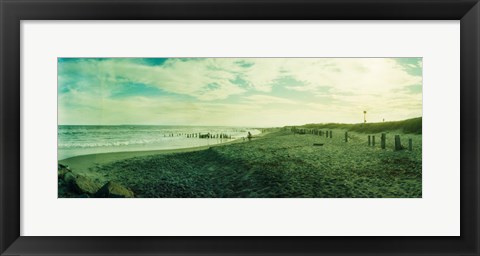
(383, 140)
(410, 147)
(373, 140)
(330, 134)
(346, 136)
(398, 144)
(369, 143)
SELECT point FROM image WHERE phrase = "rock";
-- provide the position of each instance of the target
(113, 189)
(65, 187)
(84, 185)
(69, 178)
(62, 166)
(62, 170)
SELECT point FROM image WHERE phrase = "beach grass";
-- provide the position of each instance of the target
(413, 125)
(280, 164)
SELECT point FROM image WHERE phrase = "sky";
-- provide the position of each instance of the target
(259, 92)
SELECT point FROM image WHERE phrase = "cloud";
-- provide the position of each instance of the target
(357, 75)
(265, 99)
(197, 78)
(235, 91)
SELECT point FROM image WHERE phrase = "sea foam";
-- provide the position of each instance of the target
(74, 140)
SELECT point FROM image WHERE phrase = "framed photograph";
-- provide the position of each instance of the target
(239, 127)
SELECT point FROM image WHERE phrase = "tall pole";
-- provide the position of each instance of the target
(364, 116)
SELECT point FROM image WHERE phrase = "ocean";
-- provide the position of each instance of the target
(76, 140)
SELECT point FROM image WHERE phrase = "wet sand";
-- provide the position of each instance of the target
(85, 163)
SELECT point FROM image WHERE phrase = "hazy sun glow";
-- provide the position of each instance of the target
(260, 92)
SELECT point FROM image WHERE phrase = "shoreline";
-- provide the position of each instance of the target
(83, 163)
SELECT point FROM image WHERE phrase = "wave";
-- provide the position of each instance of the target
(110, 143)
(84, 137)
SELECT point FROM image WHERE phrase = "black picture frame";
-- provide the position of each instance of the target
(13, 11)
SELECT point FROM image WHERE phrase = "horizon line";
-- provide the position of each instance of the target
(252, 126)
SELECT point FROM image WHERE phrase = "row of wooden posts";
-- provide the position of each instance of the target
(383, 139)
(371, 138)
(312, 131)
(201, 136)
(209, 136)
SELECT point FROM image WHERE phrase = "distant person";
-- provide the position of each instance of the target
(249, 136)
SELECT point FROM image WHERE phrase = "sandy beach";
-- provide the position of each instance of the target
(278, 164)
